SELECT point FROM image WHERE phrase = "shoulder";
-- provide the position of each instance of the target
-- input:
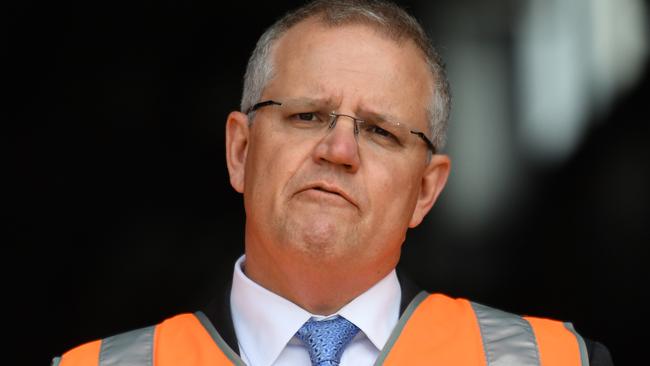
(134, 345)
(552, 338)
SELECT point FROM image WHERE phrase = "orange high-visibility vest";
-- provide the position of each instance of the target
(434, 330)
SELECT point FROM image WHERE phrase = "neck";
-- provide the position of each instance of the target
(320, 286)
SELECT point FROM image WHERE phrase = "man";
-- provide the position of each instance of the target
(336, 152)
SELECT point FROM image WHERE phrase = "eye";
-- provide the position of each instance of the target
(309, 116)
(378, 132)
(383, 134)
(306, 119)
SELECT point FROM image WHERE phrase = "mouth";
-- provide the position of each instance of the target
(330, 190)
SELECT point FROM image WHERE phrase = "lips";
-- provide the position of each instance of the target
(331, 189)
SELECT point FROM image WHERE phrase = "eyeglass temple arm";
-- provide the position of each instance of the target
(262, 104)
(426, 140)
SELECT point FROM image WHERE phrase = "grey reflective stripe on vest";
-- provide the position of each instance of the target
(584, 356)
(56, 361)
(134, 348)
(508, 339)
(401, 323)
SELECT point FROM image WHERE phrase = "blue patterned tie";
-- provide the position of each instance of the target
(326, 339)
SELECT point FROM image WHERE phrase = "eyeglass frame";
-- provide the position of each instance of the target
(269, 102)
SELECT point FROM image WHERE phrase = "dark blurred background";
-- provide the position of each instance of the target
(121, 212)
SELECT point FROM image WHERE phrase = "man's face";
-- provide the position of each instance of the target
(327, 199)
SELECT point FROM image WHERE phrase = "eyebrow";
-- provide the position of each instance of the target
(319, 102)
(374, 114)
(331, 102)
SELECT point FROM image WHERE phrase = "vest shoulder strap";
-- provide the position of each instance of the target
(186, 339)
(133, 348)
(436, 329)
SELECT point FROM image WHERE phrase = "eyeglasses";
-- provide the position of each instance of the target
(308, 118)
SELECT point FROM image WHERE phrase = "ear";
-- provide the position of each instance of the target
(433, 181)
(237, 137)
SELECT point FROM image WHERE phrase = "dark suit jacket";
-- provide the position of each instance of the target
(218, 311)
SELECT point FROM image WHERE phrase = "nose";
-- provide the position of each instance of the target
(339, 146)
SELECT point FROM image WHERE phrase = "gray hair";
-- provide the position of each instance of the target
(387, 18)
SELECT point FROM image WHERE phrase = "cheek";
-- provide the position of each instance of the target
(390, 193)
(258, 174)
(269, 167)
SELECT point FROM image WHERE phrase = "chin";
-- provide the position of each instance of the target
(321, 238)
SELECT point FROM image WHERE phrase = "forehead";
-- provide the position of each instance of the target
(353, 65)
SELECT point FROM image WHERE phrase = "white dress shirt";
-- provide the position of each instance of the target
(265, 323)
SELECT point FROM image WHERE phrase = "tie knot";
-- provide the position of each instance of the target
(326, 339)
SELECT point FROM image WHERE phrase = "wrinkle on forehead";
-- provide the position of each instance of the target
(334, 102)
(322, 101)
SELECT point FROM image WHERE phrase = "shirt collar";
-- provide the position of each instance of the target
(376, 311)
(265, 322)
